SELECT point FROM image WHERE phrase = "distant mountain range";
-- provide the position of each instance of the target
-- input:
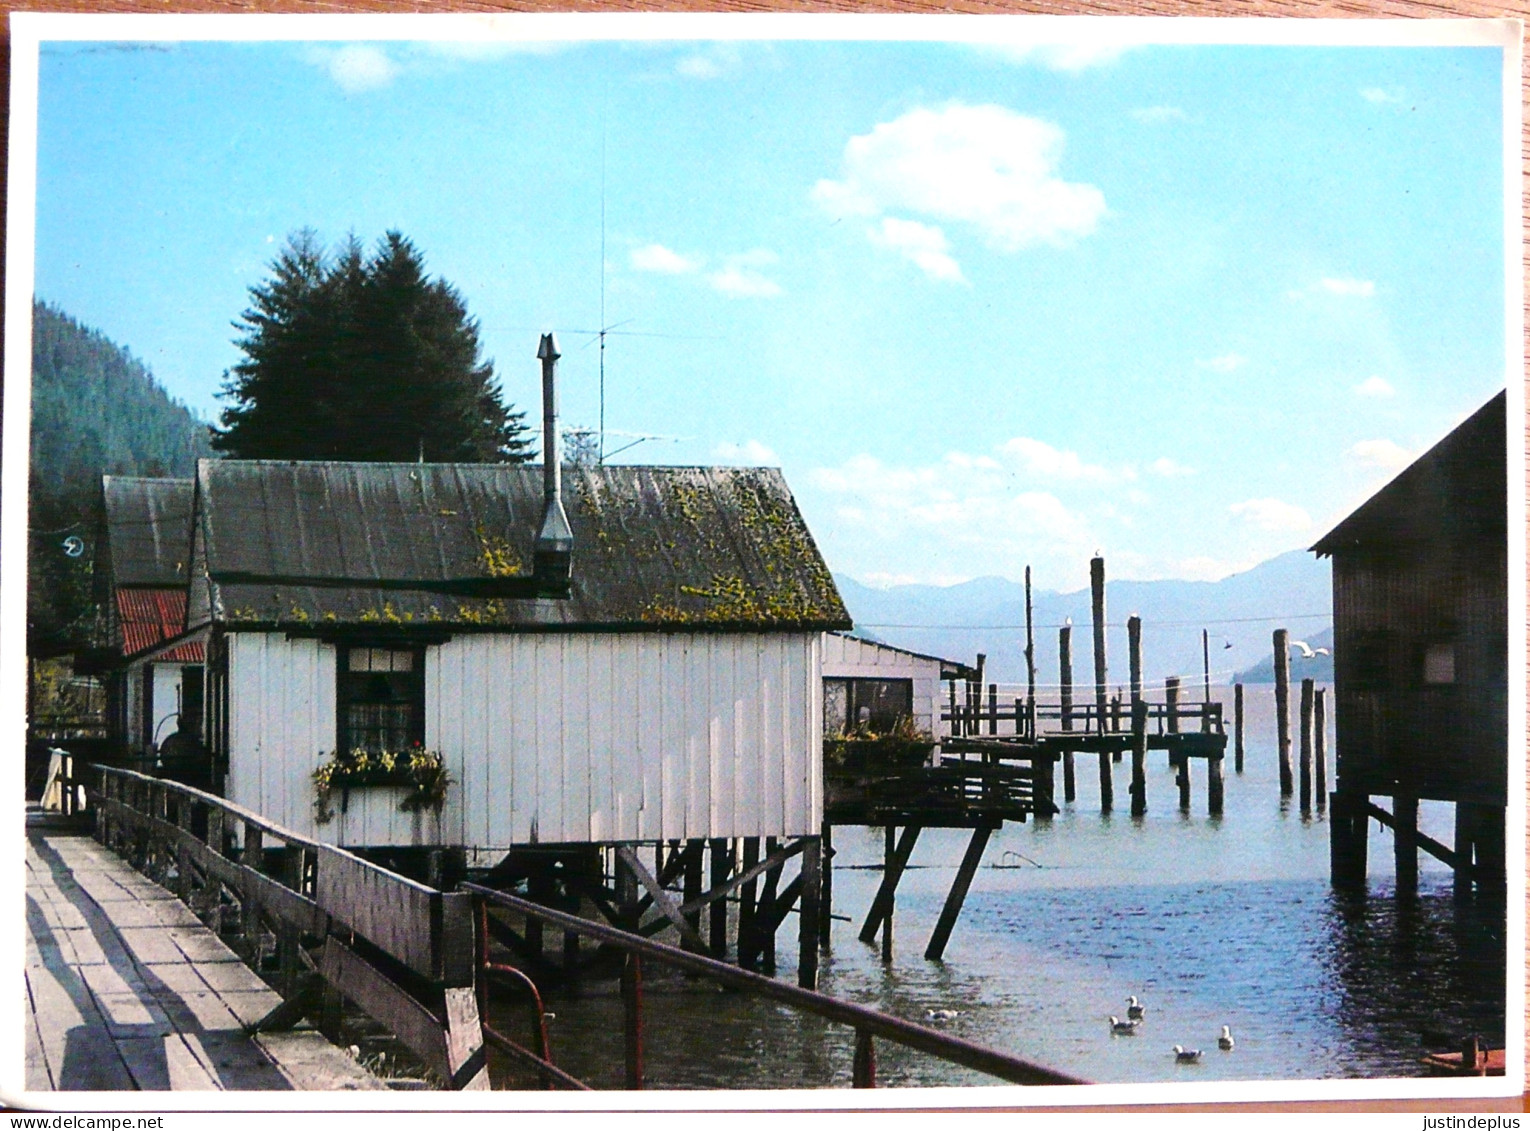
(1239, 613)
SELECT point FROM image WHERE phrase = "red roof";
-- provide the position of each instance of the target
(149, 617)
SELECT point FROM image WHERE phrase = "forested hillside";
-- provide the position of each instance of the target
(95, 410)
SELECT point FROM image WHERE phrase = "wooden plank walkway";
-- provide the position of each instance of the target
(126, 989)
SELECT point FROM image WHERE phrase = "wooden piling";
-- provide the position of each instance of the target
(958, 893)
(826, 886)
(1238, 727)
(748, 895)
(1215, 786)
(1171, 703)
(1282, 649)
(1205, 677)
(1304, 763)
(1065, 701)
(1348, 827)
(765, 929)
(808, 911)
(1030, 653)
(1183, 780)
(993, 708)
(718, 852)
(1405, 842)
(1097, 609)
(975, 703)
(1464, 845)
(632, 1019)
(691, 888)
(1320, 748)
(1139, 756)
(1134, 655)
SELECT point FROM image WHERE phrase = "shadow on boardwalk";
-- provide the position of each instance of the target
(126, 990)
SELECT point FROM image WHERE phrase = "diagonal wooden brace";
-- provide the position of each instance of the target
(660, 897)
(882, 905)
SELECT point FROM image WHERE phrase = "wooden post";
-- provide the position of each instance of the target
(1065, 701)
(1348, 826)
(746, 905)
(691, 889)
(722, 864)
(1238, 727)
(1115, 722)
(975, 696)
(864, 1072)
(826, 909)
(1205, 677)
(1320, 747)
(1043, 785)
(1134, 655)
(1030, 653)
(889, 873)
(1139, 756)
(1282, 648)
(183, 806)
(808, 911)
(1304, 763)
(956, 721)
(289, 938)
(1464, 845)
(252, 855)
(632, 1019)
(1097, 606)
(1405, 842)
(993, 708)
(958, 893)
(1184, 782)
(882, 904)
(1171, 705)
(1471, 1057)
(1215, 786)
(765, 929)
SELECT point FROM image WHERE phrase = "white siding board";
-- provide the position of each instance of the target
(650, 734)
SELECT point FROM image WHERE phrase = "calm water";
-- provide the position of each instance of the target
(1210, 922)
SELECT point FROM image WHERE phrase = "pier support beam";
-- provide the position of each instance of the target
(1065, 701)
(1304, 763)
(747, 899)
(808, 911)
(1139, 755)
(721, 856)
(1405, 842)
(1097, 605)
(1237, 728)
(1282, 655)
(882, 904)
(826, 886)
(1183, 780)
(958, 893)
(1320, 748)
(1348, 826)
(1215, 786)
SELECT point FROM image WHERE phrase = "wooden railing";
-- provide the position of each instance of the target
(869, 1025)
(1028, 719)
(399, 949)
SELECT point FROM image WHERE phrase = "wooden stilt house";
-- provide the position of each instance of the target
(1421, 663)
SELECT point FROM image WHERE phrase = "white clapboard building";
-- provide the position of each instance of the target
(633, 654)
(869, 684)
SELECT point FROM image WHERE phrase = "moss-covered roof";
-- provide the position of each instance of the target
(311, 545)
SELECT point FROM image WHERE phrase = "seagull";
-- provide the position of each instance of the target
(942, 1014)
(1307, 652)
(1227, 645)
(1123, 1028)
(1134, 1008)
(1225, 1041)
(1183, 1055)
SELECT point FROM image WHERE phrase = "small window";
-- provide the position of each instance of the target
(866, 704)
(1440, 663)
(380, 701)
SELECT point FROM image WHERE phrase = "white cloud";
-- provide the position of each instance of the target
(658, 258)
(742, 282)
(1380, 453)
(1170, 468)
(357, 67)
(923, 245)
(1071, 58)
(750, 453)
(1224, 363)
(1376, 96)
(1156, 115)
(714, 62)
(1375, 387)
(1272, 514)
(983, 166)
(1343, 285)
(1038, 458)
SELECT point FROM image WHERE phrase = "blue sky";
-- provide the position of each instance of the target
(986, 306)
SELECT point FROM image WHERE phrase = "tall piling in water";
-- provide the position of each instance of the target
(1238, 727)
(1065, 701)
(1134, 655)
(1139, 755)
(1030, 668)
(1320, 748)
(1282, 648)
(1097, 605)
(1304, 766)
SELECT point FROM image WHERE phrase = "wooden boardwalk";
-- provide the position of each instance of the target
(127, 990)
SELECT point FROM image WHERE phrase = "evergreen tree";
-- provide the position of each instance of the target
(350, 357)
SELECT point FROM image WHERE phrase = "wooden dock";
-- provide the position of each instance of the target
(127, 990)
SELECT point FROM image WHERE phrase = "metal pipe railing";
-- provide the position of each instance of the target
(867, 1023)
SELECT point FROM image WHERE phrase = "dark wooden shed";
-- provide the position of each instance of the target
(1420, 605)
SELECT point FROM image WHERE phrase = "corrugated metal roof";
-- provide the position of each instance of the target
(654, 547)
(149, 617)
(1455, 494)
(148, 523)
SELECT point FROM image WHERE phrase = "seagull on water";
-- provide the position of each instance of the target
(942, 1014)
(1183, 1055)
(1225, 1041)
(1135, 1010)
(1123, 1028)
